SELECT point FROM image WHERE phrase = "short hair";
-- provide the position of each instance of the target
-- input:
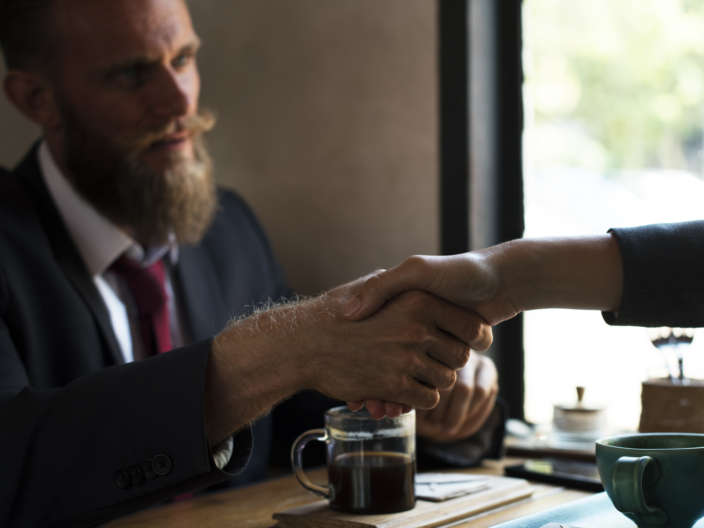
(25, 32)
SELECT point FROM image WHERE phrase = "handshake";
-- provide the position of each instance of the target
(377, 341)
(425, 350)
(448, 304)
(408, 347)
(401, 338)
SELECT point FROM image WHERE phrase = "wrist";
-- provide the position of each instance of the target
(252, 367)
(514, 271)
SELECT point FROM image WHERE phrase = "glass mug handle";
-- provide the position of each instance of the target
(297, 462)
(630, 498)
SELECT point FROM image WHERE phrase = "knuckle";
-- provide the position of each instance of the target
(422, 365)
(414, 300)
(457, 356)
(446, 378)
(471, 329)
(482, 393)
(486, 338)
(405, 387)
(464, 391)
(419, 334)
(475, 333)
(416, 263)
(493, 393)
(453, 378)
(372, 283)
(463, 354)
(412, 364)
(430, 399)
(419, 395)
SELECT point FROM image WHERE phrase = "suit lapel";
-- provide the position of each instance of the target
(66, 253)
(203, 302)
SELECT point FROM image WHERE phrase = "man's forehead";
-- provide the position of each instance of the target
(112, 30)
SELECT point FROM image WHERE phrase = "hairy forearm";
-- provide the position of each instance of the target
(575, 272)
(250, 370)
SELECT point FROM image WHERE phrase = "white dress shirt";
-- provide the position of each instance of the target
(100, 243)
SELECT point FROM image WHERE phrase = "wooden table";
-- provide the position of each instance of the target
(253, 506)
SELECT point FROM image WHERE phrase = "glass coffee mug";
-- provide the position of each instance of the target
(371, 463)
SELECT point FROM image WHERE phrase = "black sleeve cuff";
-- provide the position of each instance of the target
(488, 442)
(662, 280)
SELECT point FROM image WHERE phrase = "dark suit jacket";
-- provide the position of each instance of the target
(80, 441)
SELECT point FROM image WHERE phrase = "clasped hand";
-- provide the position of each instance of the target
(406, 352)
(462, 408)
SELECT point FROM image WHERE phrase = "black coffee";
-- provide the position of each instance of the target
(372, 482)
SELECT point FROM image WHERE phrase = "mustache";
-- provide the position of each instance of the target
(193, 126)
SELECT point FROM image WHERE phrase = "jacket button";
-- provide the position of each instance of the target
(148, 470)
(137, 475)
(162, 464)
(122, 480)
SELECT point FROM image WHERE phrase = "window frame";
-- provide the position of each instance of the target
(480, 129)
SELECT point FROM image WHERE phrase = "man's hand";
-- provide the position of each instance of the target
(471, 280)
(412, 347)
(464, 408)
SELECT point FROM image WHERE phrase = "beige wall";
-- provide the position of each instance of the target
(327, 126)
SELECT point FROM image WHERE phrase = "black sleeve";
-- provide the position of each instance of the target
(488, 442)
(106, 444)
(663, 281)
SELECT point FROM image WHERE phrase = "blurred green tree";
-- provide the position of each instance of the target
(623, 78)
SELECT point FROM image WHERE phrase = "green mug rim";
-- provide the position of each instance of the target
(612, 441)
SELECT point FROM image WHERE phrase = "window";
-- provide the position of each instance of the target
(614, 121)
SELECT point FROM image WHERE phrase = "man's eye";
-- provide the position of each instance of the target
(182, 60)
(131, 76)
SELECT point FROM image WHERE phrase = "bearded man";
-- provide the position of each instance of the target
(116, 246)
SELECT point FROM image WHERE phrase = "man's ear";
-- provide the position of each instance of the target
(32, 95)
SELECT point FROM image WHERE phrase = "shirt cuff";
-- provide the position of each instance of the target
(223, 453)
(240, 452)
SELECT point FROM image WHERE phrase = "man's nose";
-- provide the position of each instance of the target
(173, 95)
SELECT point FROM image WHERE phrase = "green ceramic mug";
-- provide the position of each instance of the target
(655, 479)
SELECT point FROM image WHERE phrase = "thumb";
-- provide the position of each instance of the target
(371, 294)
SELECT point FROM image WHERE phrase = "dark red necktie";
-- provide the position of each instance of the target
(148, 287)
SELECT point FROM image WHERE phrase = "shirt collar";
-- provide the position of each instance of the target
(99, 241)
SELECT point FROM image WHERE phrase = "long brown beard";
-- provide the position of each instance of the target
(148, 204)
